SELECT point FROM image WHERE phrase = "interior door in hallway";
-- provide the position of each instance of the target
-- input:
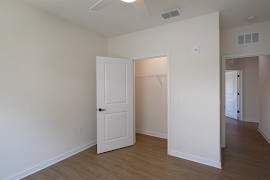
(115, 125)
(231, 106)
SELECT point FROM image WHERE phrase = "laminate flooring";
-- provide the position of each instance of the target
(246, 157)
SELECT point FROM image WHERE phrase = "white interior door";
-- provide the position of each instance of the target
(231, 106)
(114, 103)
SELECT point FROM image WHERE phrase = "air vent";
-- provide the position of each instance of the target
(170, 14)
(241, 39)
(248, 38)
(175, 13)
(255, 37)
(166, 15)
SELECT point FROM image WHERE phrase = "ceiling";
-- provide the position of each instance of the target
(121, 18)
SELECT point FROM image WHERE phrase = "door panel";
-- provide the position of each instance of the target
(115, 83)
(115, 121)
(230, 105)
(231, 95)
(115, 97)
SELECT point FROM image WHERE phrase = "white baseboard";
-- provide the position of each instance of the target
(222, 145)
(163, 136)
(50, 162)
(196, 159)
(264, 135)
(251, 121)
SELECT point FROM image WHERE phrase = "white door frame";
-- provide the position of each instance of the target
(168, 96)
(240, 97)
(223, 70)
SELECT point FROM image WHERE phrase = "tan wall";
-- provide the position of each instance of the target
(151, 66)
(250, 67)
(229, 39)
(264, 66)
(151, 97)
(195, 80)
(47, 87)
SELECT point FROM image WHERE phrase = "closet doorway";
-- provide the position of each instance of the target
(151, 96)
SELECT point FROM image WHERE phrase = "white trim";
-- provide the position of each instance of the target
(50, 162)
(158, 135)
(223, 64)
(168, 92)
(245, 55)
(264, 135)
(150, 56)
(134, 103)
(169, 103)
(196, 159)
(251, 121)
(240, 98)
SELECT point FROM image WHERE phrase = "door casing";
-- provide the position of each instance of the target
(222, 103)
(168, 95)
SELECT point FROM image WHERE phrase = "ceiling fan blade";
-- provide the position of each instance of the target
(141, 7)
(101, 4)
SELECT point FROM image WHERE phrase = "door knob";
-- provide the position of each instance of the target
(101, 109)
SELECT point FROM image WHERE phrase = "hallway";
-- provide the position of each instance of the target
(247, 153)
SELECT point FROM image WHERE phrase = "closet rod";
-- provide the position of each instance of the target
(155, 75)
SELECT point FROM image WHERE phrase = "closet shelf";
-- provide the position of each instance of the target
(154, 75)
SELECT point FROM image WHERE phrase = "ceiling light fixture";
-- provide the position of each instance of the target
(251, 18)
(128, 1)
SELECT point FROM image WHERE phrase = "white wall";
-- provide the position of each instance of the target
(195, 81)
(264, 70)
(47, 87)
(229, 39)
(250, 67)
(151, 97)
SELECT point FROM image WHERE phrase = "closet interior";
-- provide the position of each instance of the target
(151, 97)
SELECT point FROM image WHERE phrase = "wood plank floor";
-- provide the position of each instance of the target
(246, 157)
